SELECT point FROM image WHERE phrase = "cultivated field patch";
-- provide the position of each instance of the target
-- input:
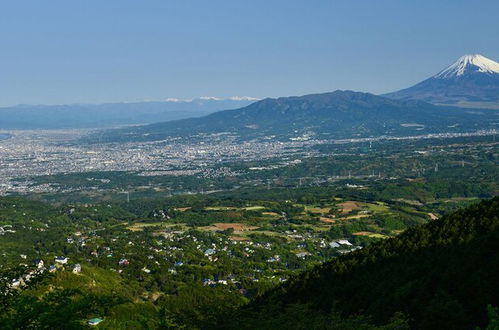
(238, 227)
(349, 206)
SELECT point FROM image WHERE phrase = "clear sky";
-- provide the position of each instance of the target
(93, 51)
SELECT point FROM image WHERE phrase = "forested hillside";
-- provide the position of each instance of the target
(441, 275)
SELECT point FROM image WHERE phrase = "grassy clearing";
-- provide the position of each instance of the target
(238, 227)
(139, 226)
(233, 208)
(262, 232)
(272, 214)
(378, 207)
(317, 209)
(321, 227)
(357, 216)
(370, 234)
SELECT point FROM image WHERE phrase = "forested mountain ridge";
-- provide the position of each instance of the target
(339, 114)
(439, 275)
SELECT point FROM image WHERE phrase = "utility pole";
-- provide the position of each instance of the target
(436, 167)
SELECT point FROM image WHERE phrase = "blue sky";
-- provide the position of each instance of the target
(93, 51)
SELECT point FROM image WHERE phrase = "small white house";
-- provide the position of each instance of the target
(15, 284)
(61, 260)
(94, 321)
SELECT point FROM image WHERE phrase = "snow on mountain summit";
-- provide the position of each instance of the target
(469, 64)
(472, 82)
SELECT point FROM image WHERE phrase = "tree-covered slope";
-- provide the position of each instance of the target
(439, 275)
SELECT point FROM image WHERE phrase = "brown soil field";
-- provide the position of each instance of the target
(362, 233)
(347, 207)
(318, 209)
(357, 216)
(327, 220)
(238, 238)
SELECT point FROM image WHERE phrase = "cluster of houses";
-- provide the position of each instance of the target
(213, 283)
(40, 268)
(81, 240)
(222, 281)
(176, 243)
(76, 268)
(24, 279)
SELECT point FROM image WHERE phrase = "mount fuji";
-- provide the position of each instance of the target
(472, 81)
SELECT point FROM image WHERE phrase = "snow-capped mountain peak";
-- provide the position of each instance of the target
(468, 64)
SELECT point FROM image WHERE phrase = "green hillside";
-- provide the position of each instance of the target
(441, 275)
(208, 263)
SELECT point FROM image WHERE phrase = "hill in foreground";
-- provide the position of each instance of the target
(441, 275)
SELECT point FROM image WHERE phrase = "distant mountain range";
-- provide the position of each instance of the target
(112, 114)
(339, 114)
(472, 81)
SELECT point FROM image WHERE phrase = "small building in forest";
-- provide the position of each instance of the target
(95, 321)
